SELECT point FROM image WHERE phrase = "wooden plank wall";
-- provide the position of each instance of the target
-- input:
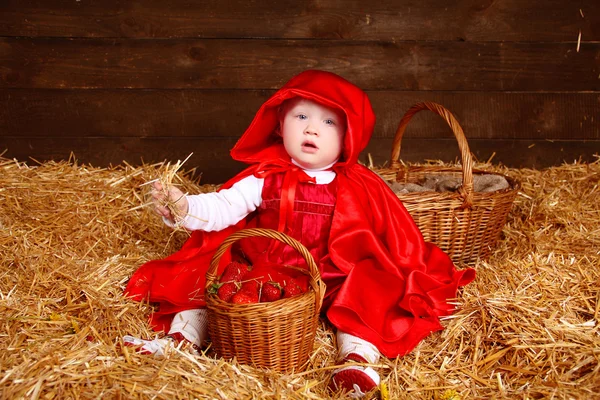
(117, 80)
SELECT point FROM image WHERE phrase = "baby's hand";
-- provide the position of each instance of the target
(175, 196)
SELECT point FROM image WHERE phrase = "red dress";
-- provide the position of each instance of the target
(312, 215)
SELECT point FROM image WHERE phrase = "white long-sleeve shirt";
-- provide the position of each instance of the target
(216, 211)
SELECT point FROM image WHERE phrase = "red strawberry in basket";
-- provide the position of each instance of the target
(295, 285)
(299, 279)
(265, 282)
(234, 272)
(248, 293)
(227, 290)
(292, 289)
(244, 297)
(230, 280)
(271, 291)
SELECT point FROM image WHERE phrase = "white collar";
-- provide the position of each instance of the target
(315, 169)
(323, 175)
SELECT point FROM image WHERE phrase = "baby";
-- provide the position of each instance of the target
(386, 287)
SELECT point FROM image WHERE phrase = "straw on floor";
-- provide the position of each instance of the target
(72, 234)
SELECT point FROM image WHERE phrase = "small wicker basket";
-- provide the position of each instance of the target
(275, 335)
(465, 224)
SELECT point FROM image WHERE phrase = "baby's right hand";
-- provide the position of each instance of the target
(175, 196)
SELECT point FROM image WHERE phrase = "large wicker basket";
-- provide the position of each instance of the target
(465, 224)
(275, 335)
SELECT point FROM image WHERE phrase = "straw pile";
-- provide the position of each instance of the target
(71, 235)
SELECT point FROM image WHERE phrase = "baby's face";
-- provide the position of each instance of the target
(313, 134)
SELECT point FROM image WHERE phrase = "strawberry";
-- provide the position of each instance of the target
(297, 277)
(245, 297)
(292, 289)
(227, 290)
(248, 292)
(234, 272)
(230, 280)
(271, 291)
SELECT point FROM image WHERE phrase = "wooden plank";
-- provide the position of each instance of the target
(227, 113)
(113, 113)
(267, 64)
(211, 156)
(387, 20)
(493, 115)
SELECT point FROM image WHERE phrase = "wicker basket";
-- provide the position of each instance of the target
(465, 224)
(275, 335)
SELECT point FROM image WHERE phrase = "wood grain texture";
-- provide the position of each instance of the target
(383, 20)
(211, 155)
(227, 113)
(114, 113)
(117, 80)
(267, 64)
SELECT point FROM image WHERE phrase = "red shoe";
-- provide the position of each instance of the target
(354, 378)
(185, 344)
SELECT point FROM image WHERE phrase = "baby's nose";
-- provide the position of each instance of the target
(310, 130)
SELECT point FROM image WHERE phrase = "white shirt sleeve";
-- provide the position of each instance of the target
(216, 211)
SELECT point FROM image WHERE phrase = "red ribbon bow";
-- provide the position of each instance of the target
(293, 175)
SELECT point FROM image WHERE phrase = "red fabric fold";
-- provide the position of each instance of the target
(397, 284)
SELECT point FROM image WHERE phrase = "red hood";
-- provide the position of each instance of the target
(259, 143)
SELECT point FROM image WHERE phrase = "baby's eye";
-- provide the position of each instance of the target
(329, 122)
(301, 116)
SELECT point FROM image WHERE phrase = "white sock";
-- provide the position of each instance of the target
(348, 344)
(192, 324)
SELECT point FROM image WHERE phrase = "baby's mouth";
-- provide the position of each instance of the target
(308, 145)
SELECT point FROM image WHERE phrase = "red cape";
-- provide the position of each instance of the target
(397, 285)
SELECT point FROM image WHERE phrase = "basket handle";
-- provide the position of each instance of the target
(466, 190)
(316, 283)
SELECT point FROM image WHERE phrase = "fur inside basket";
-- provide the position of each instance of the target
(486, 183)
